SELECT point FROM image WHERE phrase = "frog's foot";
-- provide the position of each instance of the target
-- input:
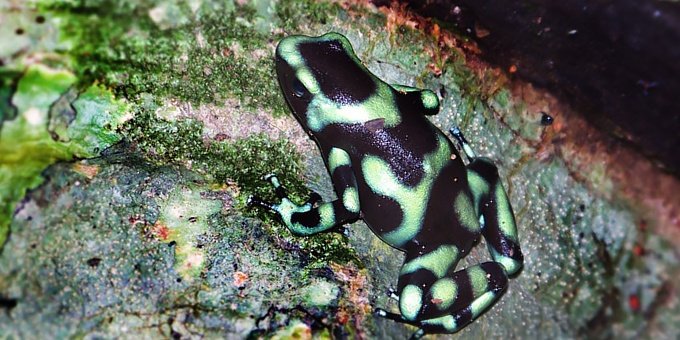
(314, 198)
(309, 218)
(392, 294)
(398, 318)
(278, 189)
(256, 201)
(455, 132)
(393, 316)
(281, 193)
(286, 208)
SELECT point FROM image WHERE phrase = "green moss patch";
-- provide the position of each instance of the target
(8, 81)
(199, 54)
(26, 145)
(243, 161)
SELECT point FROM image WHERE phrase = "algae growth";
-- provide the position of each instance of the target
(27, 147)
(183, 218)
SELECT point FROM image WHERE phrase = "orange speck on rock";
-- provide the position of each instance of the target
(342, 317)
(481, 31)
(634, 302)
(638, 250)
(240, 279)
(512, 69)
(436, 31)
(86, 170)
(161, 231)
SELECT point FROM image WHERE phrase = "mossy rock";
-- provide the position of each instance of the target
(124, 201)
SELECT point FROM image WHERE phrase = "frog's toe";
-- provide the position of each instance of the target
(273, 179)
(458, 134)
(455, 132)
(392, 294)
(314, 198)
(418, 334)
(398, 318)
(278, 188)
(254, 201)
(393, 316)
(385, 314)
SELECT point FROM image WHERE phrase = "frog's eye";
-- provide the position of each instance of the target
(299, 89)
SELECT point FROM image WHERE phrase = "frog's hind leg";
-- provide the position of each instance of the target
(496, 216)
(447, 302)
(477, 288)
(493, 208)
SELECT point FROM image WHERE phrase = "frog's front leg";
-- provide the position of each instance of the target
(412, 99)
(491, 202)
(313, 217)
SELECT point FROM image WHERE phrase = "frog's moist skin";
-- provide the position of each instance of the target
(391, 167)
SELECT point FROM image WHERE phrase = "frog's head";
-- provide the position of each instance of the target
(320, 75)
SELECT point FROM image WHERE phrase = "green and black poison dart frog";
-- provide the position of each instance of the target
(392, 168)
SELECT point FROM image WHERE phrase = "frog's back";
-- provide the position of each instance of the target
(407, 175)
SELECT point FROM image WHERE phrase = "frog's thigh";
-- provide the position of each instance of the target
(454, 301)
(418, 274)
(496, 215)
